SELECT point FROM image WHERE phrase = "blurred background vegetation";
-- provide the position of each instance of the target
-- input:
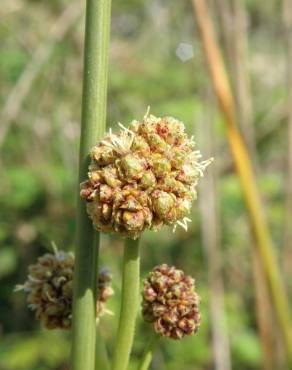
(41, 81)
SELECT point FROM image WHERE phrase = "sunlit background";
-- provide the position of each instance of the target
(156, 59)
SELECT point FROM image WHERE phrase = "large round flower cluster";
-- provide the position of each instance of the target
(170, 302)
(143, 177)
(49, 289)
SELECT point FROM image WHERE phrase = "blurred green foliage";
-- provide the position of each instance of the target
(39, 166)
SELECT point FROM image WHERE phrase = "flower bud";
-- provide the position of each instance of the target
(103, 154)
(161, 166)
(133, 167)
(148, 181)
(163, 203)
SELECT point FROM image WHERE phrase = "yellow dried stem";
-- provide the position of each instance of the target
(245, 170)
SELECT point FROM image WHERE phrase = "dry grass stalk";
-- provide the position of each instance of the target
(245, 171)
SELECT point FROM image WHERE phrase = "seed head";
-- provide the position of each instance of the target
(170, 302)
(143, 177)
(49, 289)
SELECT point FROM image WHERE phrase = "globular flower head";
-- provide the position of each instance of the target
(49, 288)
(143, 177)
(170, 302)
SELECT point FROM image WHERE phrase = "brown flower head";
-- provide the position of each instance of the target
(143, 177)
(170, 302)
(49, 289)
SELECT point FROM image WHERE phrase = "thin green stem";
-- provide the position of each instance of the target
(92, 128)
(101, 356)
(148, 353)
(129, 304)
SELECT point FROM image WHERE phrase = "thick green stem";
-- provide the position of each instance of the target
(148, 353)
(92, 128)
(129, 305)
(101, 356)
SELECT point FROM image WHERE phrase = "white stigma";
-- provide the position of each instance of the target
(147, 113)
(120, 143)
(183, 223)
(201, 166)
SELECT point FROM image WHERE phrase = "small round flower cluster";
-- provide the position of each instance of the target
(49, 289)
(170, 302)
(144, 177)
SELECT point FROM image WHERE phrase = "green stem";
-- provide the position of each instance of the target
(92, 128)
(101, 357)
(148, 353)
(129, 305)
